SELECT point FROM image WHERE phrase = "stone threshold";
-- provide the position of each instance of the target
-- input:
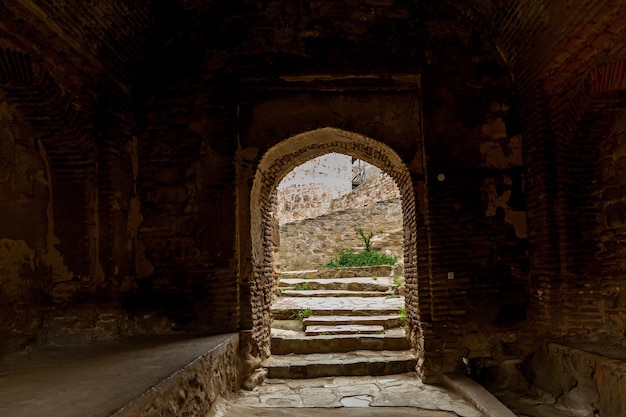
(139, 376)
(315, 365)
(334, 293)
(400, 395)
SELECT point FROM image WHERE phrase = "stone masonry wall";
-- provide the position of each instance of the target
(379, 188)
(307, 191)
(310, 243)
(375, 206)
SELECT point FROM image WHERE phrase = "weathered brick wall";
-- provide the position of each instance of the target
(311, 243)
(597, 307)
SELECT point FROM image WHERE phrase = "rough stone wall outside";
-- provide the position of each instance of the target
(381, 187)
(306, 192)
(311, 243)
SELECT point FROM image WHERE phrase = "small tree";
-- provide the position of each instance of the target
(366, 239)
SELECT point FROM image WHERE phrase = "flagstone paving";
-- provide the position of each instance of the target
(389, 395)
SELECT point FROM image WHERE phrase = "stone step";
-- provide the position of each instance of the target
(363, 271)
(349, 284)
(290, 341)
(385, 321)
(362, 362)
(332, 293)
(286, 308)
(304, 274)
(343, 329)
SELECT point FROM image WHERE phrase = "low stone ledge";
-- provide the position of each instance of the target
(585, 377)
(477, 395)
(192, 390)
(147, 376)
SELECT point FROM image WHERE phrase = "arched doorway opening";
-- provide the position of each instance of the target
(320, 207)
(273, 166)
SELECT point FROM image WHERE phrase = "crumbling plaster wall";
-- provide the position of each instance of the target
(479, 258)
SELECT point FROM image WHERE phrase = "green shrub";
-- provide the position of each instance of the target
(347, 258)
(402, 312)
(367, 240)
(305, 286)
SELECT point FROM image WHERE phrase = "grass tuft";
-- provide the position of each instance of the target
(305, 286)
(304, 313)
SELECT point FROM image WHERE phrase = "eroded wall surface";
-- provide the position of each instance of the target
(25, 281)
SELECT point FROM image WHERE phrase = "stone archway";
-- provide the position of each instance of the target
(274, 165)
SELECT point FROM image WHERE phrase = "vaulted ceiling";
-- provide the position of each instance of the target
(83, 41)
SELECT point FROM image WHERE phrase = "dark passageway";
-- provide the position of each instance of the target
(141, 143)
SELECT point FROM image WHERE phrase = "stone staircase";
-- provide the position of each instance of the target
(338, 322)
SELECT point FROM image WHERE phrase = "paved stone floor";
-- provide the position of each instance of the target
(389, 395)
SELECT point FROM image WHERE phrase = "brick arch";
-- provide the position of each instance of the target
(29, 86)
(70, 153)
(292, 152)
(594, 93)
(581, 129)
(588, 120)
